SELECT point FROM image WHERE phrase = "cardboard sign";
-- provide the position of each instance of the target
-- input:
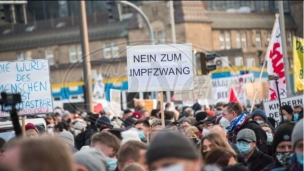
(201, 89)
(272, 108)
(32, 80)
(115, 101)
(160, 67)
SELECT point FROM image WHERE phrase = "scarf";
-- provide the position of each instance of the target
(236, 122)
(294, 165)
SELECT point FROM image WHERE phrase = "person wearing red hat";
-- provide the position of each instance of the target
(31, 130)
(137, 115)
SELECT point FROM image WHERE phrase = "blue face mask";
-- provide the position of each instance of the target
(112, 163)
(300, 158)
(295, 117)
(141, 135)
(243, 147)
(269, 137)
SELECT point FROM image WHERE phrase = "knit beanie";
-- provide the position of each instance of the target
(297, 133)
(91, 159)
(171, 144)
(260, 113)
(196, 107)
(200, 115)
(103, 122)
(67, 137)
(283, 133)
(288, 109)
(31, 126)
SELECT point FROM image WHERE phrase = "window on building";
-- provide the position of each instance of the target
(49, 56)
(110, 49)
(238, 61)
(227, 39)
(107, 50)
(161, 37)
(244, 39)
(289, 39)
(115, 49)
(20, 56)
(222, 40)
(250, 62)
(75, 53)
(238, 39)
(268, 36)
(258, 41)
(27, 55)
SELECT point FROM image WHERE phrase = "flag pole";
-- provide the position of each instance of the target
(264, 63)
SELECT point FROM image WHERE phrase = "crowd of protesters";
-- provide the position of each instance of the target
(224, 137)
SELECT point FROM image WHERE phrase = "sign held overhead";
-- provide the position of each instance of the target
(160, 67)
(32, 80)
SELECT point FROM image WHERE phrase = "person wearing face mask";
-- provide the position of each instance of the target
(282, 150)
(269, 134)
(297, 111)
(297, 160)
(260, 117)
(208, 123)
(287, 113)
(143, 127)
(246, 144)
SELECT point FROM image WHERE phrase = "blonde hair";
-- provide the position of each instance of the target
(217, 141)
(192, 130)
(45, 154)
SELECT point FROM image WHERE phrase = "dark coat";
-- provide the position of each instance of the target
(258, 161)
(260, 134)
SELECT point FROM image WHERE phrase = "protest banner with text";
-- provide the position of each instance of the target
(32, 80)
(298, 52)
(160, 67)
(272, 108)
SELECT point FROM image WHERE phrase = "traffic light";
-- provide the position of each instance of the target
(205, 58)
(113, 11)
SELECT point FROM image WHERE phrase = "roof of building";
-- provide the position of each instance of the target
(226, 20)
(59, 31)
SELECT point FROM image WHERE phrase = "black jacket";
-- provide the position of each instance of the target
(258, 161)
(260, 134)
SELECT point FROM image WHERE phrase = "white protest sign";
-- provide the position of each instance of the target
(235, 80)
(160, 67)
(32, 80)
(201, 89)
(221, 94)
(115, 101)
(272, 108)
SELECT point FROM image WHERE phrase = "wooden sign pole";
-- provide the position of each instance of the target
(161, 99)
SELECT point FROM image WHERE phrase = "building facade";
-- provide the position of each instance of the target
(239, 38)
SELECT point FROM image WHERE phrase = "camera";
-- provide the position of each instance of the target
(10, 99)
(273, 77)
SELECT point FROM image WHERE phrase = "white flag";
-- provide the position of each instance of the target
(275, 64)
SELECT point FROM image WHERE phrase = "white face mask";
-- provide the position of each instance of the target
(269, 138)
(206, 132)
(224, 122)
(176, 167)
(260, 122)
(285, 118)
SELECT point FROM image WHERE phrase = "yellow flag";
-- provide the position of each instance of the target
(298, 51)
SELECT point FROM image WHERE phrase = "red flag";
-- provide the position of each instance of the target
(232, 96)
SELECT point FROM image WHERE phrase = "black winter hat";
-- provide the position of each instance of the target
(201, 116)
(104, 122)
(196, 107)
(288, 109)
(283, 133)
(170, 143)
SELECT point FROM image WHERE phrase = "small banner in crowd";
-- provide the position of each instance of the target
(272, 108)
(298, 51)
